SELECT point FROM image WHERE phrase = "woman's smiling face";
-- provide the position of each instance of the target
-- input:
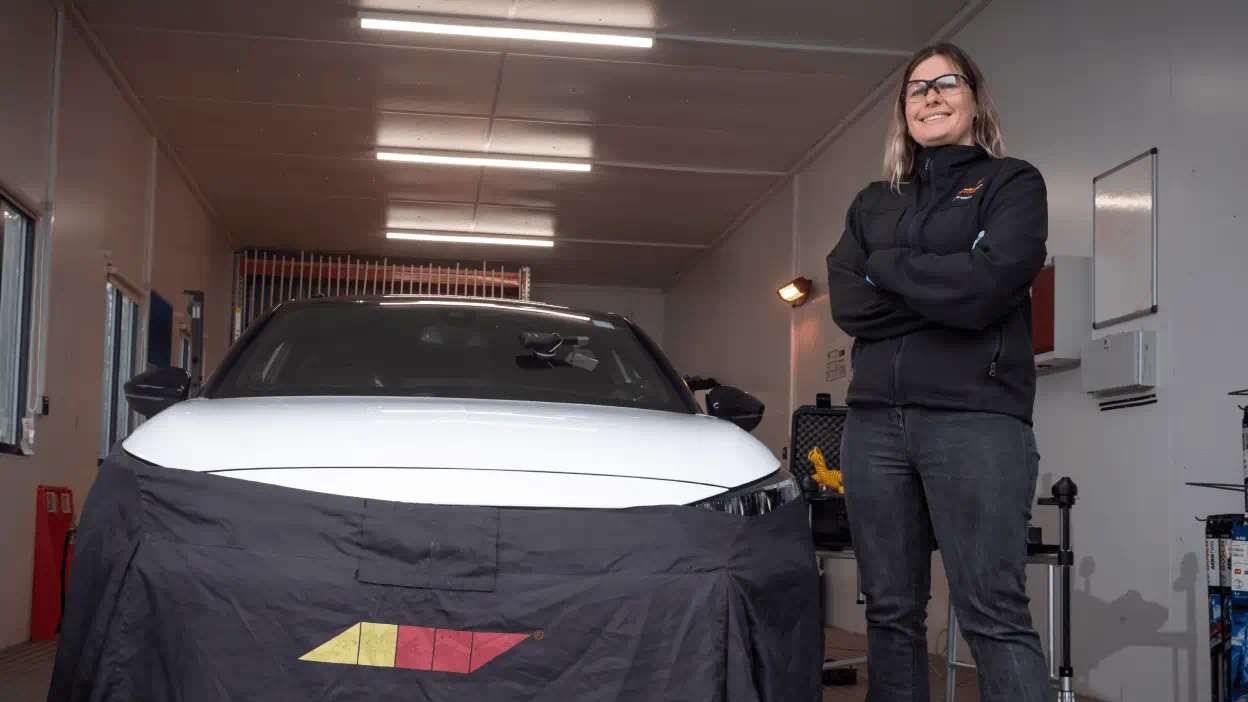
(944, 114)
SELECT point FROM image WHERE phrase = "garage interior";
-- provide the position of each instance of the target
(152, 147)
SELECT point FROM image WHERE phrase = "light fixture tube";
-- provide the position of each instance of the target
(454, 238)
(493, 29)
(468, 159)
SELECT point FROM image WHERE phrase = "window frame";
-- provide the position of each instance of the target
(184, 351)
(123, 326)
(17, 314)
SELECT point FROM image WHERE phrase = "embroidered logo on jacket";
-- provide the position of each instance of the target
(415, 648)
(968, 193)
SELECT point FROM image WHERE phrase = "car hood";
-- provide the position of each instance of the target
(246, 434)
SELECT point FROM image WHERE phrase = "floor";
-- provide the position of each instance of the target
(25, 669)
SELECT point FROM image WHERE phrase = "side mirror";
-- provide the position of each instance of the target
(736, 406)
(154, 391)
(696, 383)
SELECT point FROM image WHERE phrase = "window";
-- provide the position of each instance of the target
(184, 354)
(121, 345)
(17, 233)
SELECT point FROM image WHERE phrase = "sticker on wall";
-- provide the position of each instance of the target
(837, 365)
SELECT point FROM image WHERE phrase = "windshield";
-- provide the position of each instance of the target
(452, 349)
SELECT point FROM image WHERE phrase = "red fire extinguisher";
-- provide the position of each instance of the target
(54, 528)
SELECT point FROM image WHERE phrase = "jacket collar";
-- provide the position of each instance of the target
(930, 163)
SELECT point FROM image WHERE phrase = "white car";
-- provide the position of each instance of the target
(461, 402)
(441, 499)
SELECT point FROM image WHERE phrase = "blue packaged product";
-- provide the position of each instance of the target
(1239, 611)
(1213, 569)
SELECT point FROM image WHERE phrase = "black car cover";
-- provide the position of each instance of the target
(190, 586)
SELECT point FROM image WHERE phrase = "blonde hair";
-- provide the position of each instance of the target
(900, 148)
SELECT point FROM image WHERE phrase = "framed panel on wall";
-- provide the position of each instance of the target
(1124, 241)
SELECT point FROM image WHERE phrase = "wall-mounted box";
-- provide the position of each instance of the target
(1061, 312)
(1120, 363)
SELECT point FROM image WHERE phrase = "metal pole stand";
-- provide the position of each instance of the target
(1064, 493)
(1058, 556)
(843, 671)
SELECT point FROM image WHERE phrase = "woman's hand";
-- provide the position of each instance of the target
(859, 307)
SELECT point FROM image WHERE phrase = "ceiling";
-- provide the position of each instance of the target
(276, 108)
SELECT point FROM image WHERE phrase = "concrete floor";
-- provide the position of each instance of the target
(25, 669)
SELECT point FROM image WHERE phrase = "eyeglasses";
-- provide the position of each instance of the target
(946, 85)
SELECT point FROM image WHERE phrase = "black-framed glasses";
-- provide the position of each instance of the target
(946, 85)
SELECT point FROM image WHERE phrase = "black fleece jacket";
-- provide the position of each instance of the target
(934, 284)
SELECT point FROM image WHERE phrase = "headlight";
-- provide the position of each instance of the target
(756, 498)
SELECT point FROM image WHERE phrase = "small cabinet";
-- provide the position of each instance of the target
(1061, 312)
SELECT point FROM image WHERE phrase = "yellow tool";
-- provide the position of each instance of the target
(828, 477)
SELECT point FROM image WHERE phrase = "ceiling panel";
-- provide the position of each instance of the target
(903, 24)
(574, 90)
(351, 218)
(264, 176)
(685, 200)
(210, 124)
(516, 220)
(670, 146)
(335, 20)
(241, 126)
(712, 55)
(295, 213)
(897, 24)
(312, 19)
(162, 64)
(276, 107)
(611, 221)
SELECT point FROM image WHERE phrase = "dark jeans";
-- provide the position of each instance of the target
(918, 479)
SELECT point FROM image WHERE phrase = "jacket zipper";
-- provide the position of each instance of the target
(996, 354)
(909, 241)
(921, 189)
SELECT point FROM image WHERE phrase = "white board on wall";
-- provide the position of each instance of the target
(1124, 241)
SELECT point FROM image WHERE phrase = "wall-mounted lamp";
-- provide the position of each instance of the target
(795, 292)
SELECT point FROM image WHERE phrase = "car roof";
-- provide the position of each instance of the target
(494, 302)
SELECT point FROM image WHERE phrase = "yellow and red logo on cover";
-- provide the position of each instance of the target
(415, 647)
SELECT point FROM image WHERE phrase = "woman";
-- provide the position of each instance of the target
(932, 278)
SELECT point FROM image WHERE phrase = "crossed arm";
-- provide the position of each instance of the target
(896, 291)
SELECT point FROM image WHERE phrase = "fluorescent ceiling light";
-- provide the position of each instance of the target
(492, 29)
(452, 238)
(446, 159)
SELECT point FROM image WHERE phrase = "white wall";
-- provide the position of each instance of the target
(725, 321)
(644, 307)
(1082, 87)
(111, 187)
